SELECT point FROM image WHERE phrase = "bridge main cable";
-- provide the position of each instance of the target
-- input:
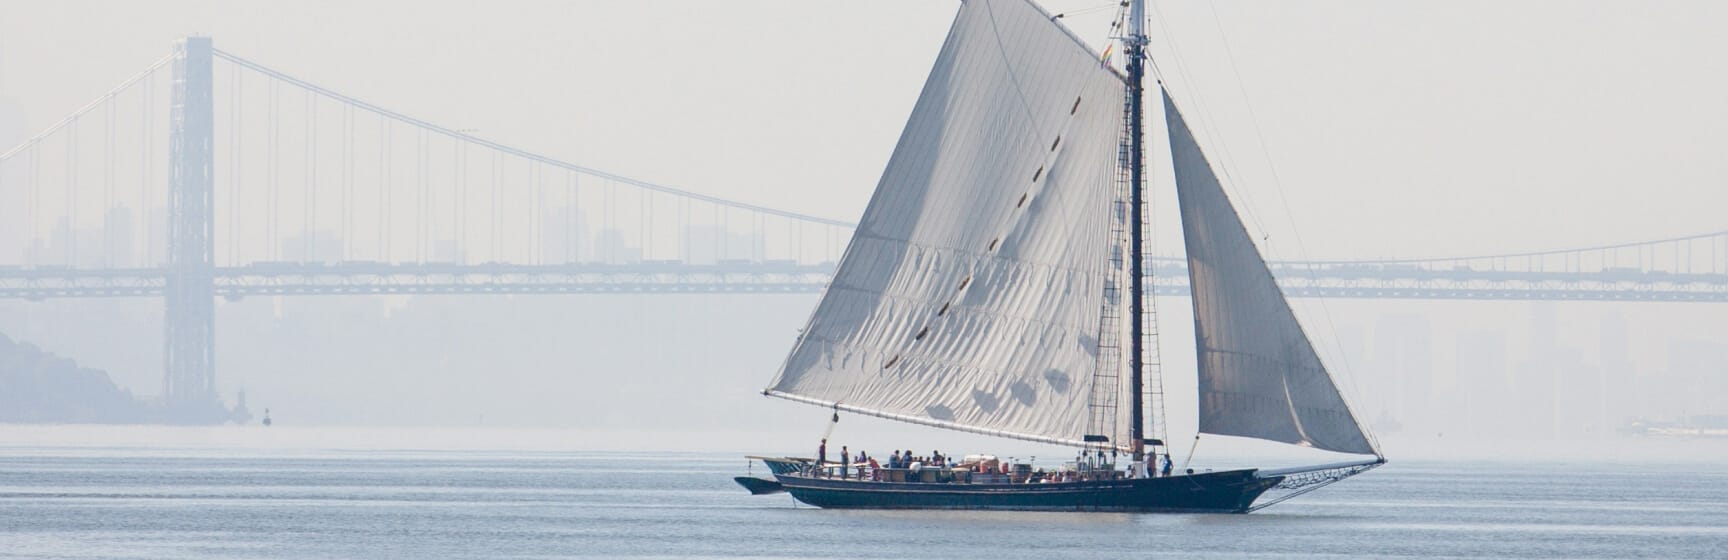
(462, 136)
(1542, 253)
(72, 118)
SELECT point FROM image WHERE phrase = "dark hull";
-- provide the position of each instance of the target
(758, 486)
(1222, 492)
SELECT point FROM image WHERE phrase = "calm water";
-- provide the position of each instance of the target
(127, 503)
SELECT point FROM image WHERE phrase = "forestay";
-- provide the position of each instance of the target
(1259, 375)
(969, 297)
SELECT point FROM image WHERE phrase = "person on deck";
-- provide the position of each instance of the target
(1165, 470)
(863, 461)
(821, 456)
(845, 461)
(875, 469)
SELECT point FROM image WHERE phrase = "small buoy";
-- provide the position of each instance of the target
(266, 417)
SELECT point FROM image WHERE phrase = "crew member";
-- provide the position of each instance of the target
(821, 455)
(845, 461)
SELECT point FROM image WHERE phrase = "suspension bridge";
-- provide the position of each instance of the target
(207, 175)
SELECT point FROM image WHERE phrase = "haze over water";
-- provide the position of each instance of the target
(249, 493)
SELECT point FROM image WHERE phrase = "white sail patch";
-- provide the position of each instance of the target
(969, 297)
(1259, 374)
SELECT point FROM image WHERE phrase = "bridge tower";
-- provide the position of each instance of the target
(189, 377)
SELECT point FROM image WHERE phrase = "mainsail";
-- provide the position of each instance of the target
(1259, 375)
(970, 295)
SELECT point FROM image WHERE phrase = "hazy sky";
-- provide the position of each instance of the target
(1396, 128)
(1412, 128)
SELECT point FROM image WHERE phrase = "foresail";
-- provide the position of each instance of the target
(1259, 374)
(970, 295)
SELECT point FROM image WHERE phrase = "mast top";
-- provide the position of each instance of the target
(1136, 23)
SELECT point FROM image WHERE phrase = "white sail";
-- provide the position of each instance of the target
(1259, 375)
(970, 295)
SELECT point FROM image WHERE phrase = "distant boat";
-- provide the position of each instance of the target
(983, 291)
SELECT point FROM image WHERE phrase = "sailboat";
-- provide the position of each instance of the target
(996, 284)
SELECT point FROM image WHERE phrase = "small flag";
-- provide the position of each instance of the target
(1107, 50)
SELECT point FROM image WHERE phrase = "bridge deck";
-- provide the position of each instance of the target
(1170, 277)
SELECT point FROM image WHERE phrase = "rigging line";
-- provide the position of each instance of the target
(1229, 179)
(1014, 77)
(1161, 427)
(1151, 340)
(461, 136)
(1010, 223)
(1253, 119)
(1290, 216)
(1191, 447)
(1211, 130)
(1084, 11)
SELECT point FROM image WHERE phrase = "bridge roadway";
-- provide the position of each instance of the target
(1169, 277)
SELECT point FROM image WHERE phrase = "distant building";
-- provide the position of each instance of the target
(564, 236)
(712, 244)
(1483, 388)
(117, 233)
(322, 247)
(1403, 353)
(613, 249)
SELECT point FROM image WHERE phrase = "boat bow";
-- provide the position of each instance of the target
(1296, 481)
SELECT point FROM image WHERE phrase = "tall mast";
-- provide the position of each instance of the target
(1136, 47)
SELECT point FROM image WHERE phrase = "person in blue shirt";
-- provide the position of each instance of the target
(845, 462)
